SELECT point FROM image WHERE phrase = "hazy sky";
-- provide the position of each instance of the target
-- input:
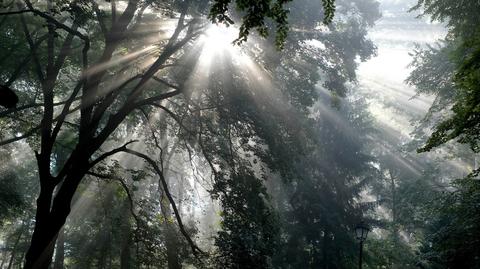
(382, 78)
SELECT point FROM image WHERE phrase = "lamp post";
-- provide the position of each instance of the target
(361, 232)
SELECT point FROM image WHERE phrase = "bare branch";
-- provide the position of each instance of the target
(110, 98)
(155, 139)
(64, 51)
(31, 131)
(62, 26)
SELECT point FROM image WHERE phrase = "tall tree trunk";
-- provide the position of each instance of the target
(60, 250)
(395, 230)
(106, 231)
(171, 242)
(125, 255)
(325, 249)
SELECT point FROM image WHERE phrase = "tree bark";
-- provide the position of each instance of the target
(172, 248)
(60, 250)
(125, 255)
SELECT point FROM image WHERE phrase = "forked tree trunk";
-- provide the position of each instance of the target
(39, 255)
(50, 217)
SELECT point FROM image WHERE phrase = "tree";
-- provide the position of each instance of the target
(451, 237)
(450, 72)
(249, 230)
(95, 122)
(460, 68)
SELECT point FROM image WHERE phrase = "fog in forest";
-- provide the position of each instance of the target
(239, 134)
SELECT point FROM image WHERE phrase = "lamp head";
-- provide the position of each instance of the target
(361, 231)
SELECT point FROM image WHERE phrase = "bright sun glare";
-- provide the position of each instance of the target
(217, 42)
(221, 37)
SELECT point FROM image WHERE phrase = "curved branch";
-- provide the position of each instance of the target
(125, 188)
(159, 172)
(175, 117)
(110, 153)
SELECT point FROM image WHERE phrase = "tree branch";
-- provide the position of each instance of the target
(17, 138)
(159, 172)
(111, 152)
(173, 115)
(55, 22)
(66, 109)
(168, 84)
(125, 188)
(22, 65)
(33, 49)
(100, 19)
(20, 108)
(16, 12)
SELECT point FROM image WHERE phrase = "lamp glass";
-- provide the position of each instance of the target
(361, 231)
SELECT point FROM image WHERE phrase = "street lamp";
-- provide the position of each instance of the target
(361, 232)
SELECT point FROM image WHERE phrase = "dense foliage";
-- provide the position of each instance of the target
(457, 75)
